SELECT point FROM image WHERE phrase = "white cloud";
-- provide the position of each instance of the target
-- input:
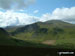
(15, 4)
(36, 11)
(9, 18)
(66, 14)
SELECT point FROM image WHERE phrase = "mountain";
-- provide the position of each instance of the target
(46, 29)
(54, 32)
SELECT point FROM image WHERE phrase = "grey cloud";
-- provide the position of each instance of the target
(19, 4)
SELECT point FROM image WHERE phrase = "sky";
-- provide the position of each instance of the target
(23, 12)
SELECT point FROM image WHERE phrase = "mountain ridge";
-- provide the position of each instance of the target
(36, 26)
(45, 30)
(57, 33)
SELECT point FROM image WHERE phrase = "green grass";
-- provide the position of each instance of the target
(66, 43)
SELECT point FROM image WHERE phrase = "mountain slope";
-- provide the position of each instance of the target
(46, 29)
(61, 34)
(6, 39)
